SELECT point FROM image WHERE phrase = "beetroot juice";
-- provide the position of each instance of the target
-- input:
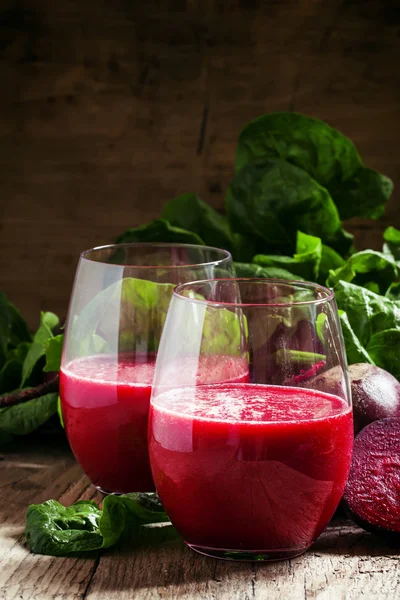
(250, 468)
(105, 405)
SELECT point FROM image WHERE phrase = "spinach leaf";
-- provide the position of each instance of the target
(271, 201)
(368, 313)
(305, 262)
(329, 260)
(4, 328)
(321, 151)
(254, 270)
(363, 195)
(13, 330)
(48, 321)
(11, 371)
(53, 354)
(391, 246)
(366, 268)
(126, 316)
(22, 419)
(56, 530)
(159, 230)
(189, 212)
(393, 292)
(355, 351)
(19, 331)
(383, 347)
(314, 146)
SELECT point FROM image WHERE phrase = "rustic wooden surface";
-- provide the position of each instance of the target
(108, 109)
(345, 563)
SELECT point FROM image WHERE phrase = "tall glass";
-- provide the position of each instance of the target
(250, 427)
(117, 310)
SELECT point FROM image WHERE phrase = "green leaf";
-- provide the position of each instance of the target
(5, 326)
(393, 292)
(24, 418)
(329, 260)
(53, 354)
(321, 151)
(189, 212)
(355, 351)
(48, 321)
(320, 324)
(391, 236)
(159, 230)
(310, 144)
(271, 201)
(56, 530)
(59, 412)
(365, 268)
(125, 316)
(254, 270)
(305, 263)
(284, 356)
(364, 194)
(367, 312)
(383, 347)
(19, 328)
(10, 373)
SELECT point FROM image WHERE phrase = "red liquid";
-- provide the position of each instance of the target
(105, 408)
(250, 467)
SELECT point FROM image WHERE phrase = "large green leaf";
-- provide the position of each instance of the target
(56, 530)
(321, 151)
(367, 312)
(271, 201)
(254, 270)
(24, 418)
(189, 212)
(48, 321)
(383, 347)
(305, 262)
(367, 268)
(159, 230)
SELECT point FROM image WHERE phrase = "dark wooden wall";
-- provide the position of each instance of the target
(109, 108)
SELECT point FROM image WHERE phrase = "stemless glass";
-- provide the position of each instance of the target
(117, 310)
(251, 454)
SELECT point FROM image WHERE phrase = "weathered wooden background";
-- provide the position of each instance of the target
(107, 109)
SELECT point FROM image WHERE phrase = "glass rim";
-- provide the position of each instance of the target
(85, 254)
(328, 292)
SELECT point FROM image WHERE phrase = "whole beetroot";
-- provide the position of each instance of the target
(375, 392)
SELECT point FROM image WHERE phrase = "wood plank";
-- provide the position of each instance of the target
(32, 474)
(110, 109)
(345, 563)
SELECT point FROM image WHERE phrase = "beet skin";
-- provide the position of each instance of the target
(375, 393)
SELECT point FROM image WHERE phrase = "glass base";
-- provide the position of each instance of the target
(249, 555)
(108, 492)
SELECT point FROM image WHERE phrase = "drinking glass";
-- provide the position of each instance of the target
(117, 309)
(250, 426)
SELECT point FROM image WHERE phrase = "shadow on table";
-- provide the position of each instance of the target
(344, 538)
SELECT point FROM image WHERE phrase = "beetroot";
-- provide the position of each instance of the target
(372, 494)
(375, 392)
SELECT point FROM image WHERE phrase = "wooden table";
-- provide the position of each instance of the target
(345, 563)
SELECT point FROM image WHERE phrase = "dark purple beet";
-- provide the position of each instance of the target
(331, 381)
(372, 494)
(375, 392)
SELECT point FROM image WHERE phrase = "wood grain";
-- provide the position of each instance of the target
(108, 109)
(345, 562)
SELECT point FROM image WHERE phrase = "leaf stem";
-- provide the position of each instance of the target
(22, 396)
